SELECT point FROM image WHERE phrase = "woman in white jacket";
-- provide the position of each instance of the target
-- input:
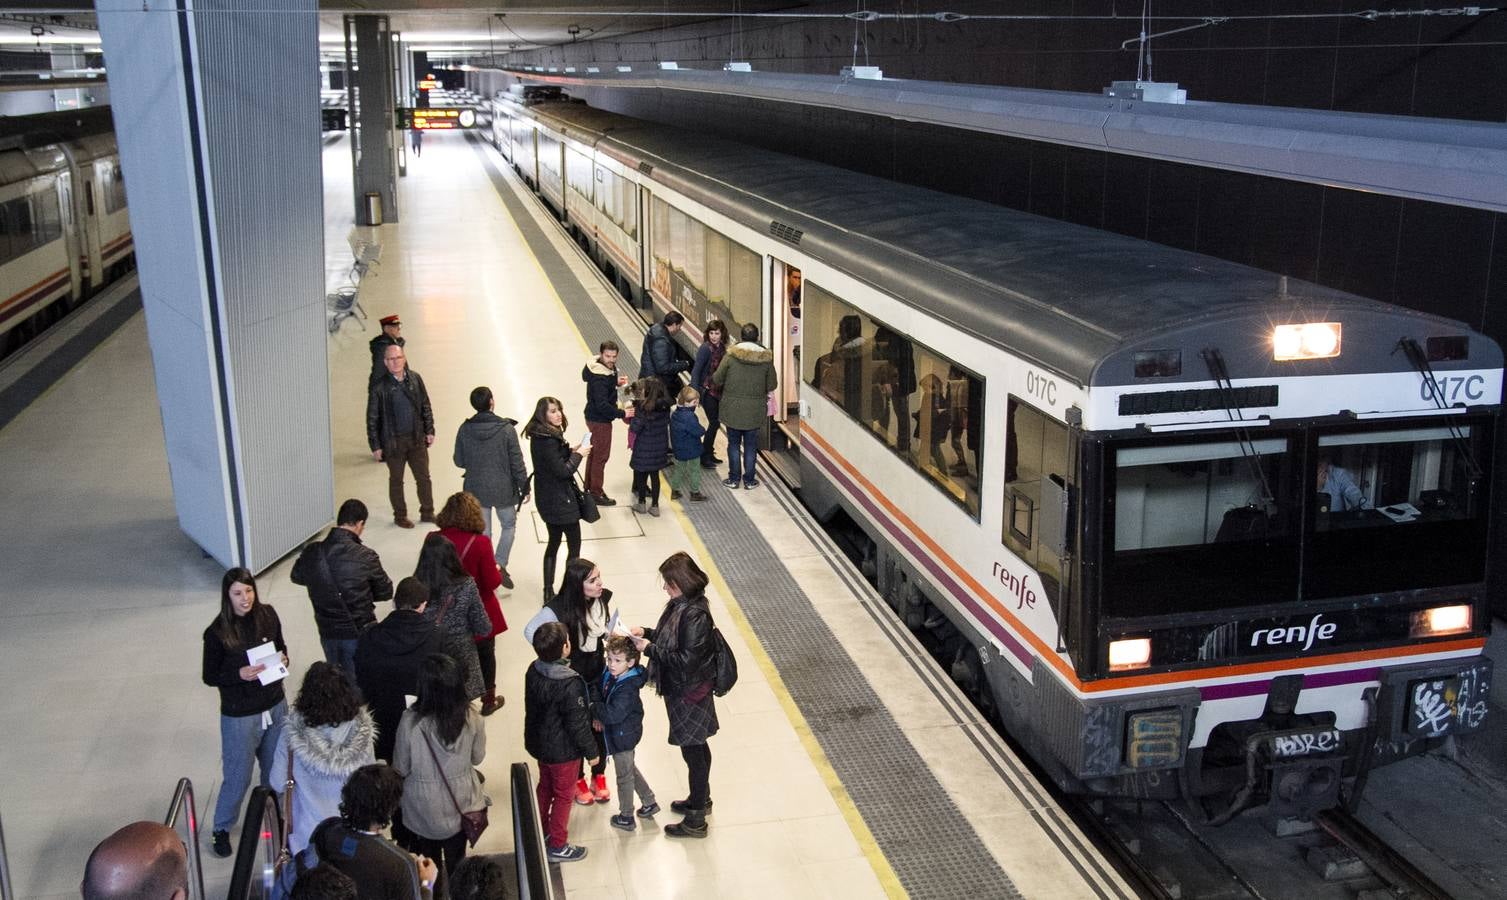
(328, 734)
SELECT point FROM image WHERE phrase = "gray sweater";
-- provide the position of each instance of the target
(427, 807)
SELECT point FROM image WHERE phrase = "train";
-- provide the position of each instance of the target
(1185, 529)
(65, 231)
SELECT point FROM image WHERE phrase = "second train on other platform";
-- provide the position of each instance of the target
(1182, 527)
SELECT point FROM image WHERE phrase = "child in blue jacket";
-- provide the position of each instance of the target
(619, 712)
(686, 431)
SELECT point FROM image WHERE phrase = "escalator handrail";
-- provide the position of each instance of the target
(183, 804)
(261, 810)
(534, 881)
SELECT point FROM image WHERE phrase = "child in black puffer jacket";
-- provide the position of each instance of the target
(557, 733)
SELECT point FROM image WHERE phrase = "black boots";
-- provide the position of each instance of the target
(692, 826)
(549, 579)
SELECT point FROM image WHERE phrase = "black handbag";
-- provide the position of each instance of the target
(586, 502)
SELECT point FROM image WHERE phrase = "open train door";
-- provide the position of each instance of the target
(785, 342)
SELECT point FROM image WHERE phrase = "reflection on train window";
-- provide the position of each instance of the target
(1397, 507)
(702, 273)
(923, 406)
(114, 187)
(578, 173)
(1196, 493)
(1201, 525)
(29, 222)
(1036, 447)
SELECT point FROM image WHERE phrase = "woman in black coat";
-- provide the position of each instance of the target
(555, 492)
(682, 666)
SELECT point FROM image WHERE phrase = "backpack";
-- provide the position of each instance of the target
(289, 870)
(727, 666)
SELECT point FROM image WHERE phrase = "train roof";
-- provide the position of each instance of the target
(1067, 297)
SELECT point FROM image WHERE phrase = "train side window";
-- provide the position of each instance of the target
(1036, 447)
(89, 197)
(115, 189)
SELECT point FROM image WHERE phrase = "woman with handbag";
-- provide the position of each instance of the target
(441, 741)
(462, 524)
(682, 654)
(454, 608)
(582, 606)
(556, 495)
(328, 735)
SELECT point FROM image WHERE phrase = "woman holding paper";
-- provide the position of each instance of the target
(246, 658)
(582, 606)
(555, 493)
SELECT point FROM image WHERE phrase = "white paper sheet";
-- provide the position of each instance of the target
(267, 655)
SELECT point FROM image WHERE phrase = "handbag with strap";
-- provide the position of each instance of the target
(586, 502)
(472, 823)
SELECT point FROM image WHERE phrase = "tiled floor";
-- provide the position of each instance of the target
(104, 600)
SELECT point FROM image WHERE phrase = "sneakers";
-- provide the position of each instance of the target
(684, 806)
(567, 853)
(626, 823)
(584, 796)
(604, 500)
(750, 484)
(402, 521)
(730, 483)
(674, 494)
(697, 496)
(654, 510)
(648, 810)
(640, 507)
(507, 580)
(599, 788)
(221, 844)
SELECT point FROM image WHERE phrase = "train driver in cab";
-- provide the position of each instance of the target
(1338, 488)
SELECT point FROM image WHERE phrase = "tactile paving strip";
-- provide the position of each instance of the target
(932, 849)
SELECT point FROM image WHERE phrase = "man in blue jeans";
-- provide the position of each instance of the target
(345, 582)
(746, 376)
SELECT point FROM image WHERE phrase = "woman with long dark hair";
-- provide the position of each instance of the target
(462, 524)
(441, 741)
(683, 665)
(329, 735)
(251, 713)
(555, 464)
(583, 607)
(454, 607)
(708, 358)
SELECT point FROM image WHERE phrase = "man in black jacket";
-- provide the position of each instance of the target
(388, 656)
(391, 334)
(399, 429)
(345, 582)
(354, 843)
(659, 358)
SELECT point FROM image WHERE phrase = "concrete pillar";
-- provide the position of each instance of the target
(217, 118)
(374, 154)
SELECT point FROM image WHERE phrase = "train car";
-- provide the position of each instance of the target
(64, 227)
(1183, 527)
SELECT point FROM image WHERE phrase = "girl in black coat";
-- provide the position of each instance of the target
(555, 492)
(682, 666)
(651, 446)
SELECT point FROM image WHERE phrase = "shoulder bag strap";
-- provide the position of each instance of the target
(439, 769)
(287, 849)
(329, 578)
(444, 608)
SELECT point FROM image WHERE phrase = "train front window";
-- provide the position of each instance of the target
(1200, 525)
(1397, 508)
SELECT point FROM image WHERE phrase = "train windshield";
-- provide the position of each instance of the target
(1397, 508)
(1200, 525)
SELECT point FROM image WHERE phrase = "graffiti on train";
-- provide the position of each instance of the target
(1448, 705)
(1288, 746)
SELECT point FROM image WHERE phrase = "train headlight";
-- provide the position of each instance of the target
(1313, 340)
(1440, 620)
(1129, 653)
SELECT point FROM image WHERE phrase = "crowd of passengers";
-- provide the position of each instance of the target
(375, 763)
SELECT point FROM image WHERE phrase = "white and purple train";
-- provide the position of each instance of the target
(1183, 527)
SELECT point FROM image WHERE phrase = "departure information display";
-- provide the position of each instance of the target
(437, 118)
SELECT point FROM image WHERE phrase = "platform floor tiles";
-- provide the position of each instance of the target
(104, 599)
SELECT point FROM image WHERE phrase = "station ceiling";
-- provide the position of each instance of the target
(453, 29)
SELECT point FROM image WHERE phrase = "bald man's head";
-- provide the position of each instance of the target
(142, 861)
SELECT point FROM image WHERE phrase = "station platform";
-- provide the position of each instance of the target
(847, 765)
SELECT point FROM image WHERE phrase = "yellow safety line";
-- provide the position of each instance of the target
(888, 880)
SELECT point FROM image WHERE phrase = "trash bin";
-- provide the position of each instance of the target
(373, 208)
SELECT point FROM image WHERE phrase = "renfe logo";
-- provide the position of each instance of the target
(1016, 584)
(1313, 631)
